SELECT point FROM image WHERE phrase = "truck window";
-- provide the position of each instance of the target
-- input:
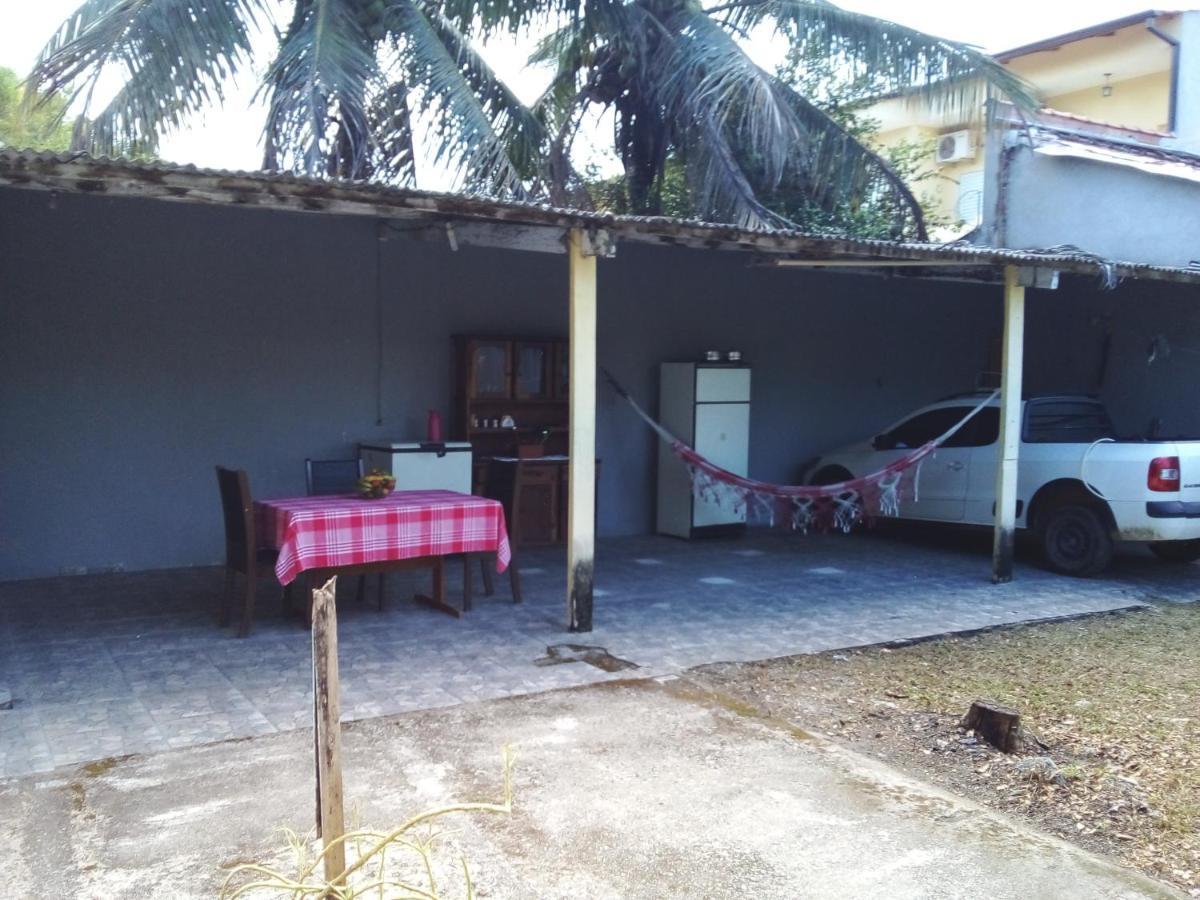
(921, 429)
(982, 431)
(1066, 422)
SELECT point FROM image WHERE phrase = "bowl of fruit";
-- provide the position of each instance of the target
(375, 484)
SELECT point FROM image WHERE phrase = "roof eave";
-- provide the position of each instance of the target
(1100, 29)
(119, 178)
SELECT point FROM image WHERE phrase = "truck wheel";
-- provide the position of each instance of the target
(1075, 541)
(1176, 551)
(830, 475)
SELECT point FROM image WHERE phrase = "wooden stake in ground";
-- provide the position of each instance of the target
(327, 734)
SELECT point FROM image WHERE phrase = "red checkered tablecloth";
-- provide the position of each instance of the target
(346, 530)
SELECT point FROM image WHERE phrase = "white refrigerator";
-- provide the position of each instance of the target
(708, 408)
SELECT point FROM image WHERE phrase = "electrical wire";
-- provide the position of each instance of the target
(1083, 464)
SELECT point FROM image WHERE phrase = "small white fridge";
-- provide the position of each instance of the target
(419, 466)
(708, 408)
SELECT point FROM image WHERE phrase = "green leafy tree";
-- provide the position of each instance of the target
(30, 125)
(349, 78)
(846, 97)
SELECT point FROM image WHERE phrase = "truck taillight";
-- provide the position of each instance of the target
(1164, 474)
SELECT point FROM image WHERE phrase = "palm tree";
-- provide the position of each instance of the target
(350, 76)
(684, 91)
(347, 80)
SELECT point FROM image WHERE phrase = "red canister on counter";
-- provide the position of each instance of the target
(433, 428)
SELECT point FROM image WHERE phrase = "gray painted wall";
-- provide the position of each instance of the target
(1114, 211)
(143, 342)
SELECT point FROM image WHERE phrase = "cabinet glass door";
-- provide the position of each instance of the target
(490, 369)
(533, 369)
(562, 370)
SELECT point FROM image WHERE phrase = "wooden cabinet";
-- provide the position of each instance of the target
(539, 504)
(489, 369)
(509, 378)
(522, 379)
(533, 370)
(561, 370)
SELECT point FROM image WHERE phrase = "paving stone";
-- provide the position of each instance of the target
(134, 663)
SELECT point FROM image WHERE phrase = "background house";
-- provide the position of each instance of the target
(1109, 164)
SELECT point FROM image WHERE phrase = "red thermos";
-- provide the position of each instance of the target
(434, 427)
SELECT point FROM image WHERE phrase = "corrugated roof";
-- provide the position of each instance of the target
(79, 173)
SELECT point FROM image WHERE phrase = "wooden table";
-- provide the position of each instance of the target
(349, 535)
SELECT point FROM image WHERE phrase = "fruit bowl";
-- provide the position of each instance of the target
(375, 485)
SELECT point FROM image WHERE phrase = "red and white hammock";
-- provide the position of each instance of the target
(805, 508)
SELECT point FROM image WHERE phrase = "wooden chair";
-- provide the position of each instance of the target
(516, 482)
(323, 477)
(332, 476)
(504, 481)
(242, 554)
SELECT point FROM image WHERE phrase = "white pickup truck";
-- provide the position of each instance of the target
(1080, 488)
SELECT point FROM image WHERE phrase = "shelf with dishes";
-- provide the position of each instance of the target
(518, 380)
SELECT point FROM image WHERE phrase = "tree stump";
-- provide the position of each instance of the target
(999, 725)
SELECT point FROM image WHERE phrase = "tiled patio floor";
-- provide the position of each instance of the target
(102, 666)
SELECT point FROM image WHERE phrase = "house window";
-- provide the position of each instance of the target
(969, 207)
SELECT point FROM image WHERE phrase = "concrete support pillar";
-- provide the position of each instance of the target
(1010, 426)
(581, 441)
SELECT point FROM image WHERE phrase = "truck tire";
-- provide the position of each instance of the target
(1176, 551)
(1075, 540)
(830, 475)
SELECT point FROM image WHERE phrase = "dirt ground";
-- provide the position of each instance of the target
(1114, 700)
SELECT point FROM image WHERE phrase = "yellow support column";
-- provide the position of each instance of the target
(1010, 426)
(581, 441)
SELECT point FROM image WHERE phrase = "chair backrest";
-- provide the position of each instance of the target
(332, 476)
(502, 482)
(238, 510)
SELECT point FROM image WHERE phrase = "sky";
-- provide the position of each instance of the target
(229, 138)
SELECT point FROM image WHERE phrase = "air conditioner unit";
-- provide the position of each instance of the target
(955, 145)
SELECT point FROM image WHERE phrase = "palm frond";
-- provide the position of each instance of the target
(317, 119)
(835, 171)
(512, 16)
(566, 49)
(950, 75)
(718, 183)
(174, 55)
(519, 129)
(393, 155)
(484, 131)
(722, 107)
(560, 108)
(709, 76)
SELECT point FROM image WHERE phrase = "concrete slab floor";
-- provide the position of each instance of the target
(646, 789)
(110, 665)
